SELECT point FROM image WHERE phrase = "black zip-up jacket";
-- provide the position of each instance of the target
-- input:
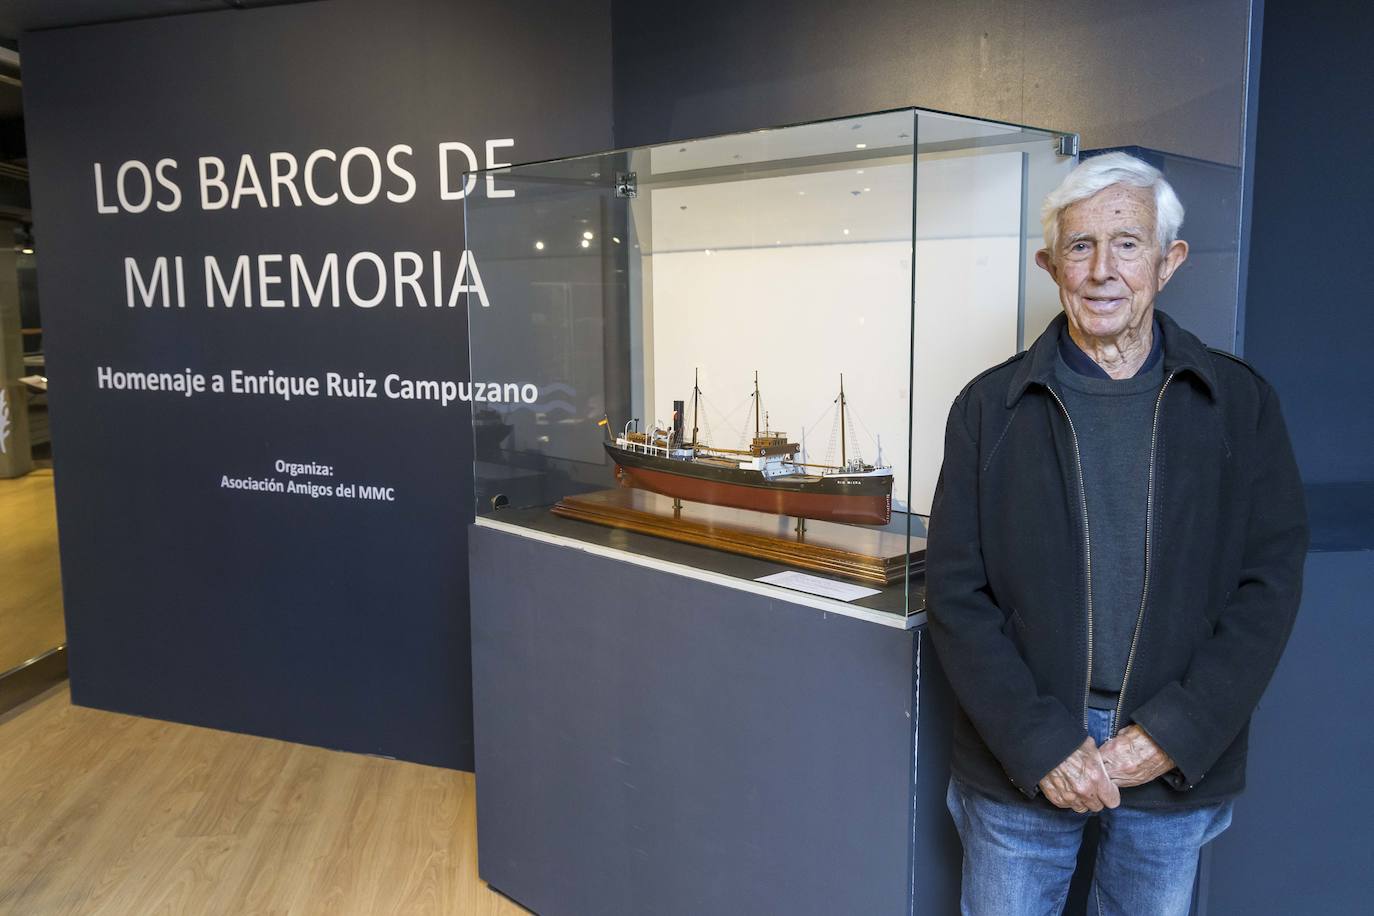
(1008, 572)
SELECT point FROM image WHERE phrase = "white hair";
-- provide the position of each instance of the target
(1101, 172)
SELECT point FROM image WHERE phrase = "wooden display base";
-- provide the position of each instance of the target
(869, 555)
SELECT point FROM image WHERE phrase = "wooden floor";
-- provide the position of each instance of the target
(30, 584)
(110, 814)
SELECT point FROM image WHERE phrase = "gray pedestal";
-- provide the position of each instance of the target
(648, 742)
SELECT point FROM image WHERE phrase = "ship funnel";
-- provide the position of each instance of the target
(677, 424)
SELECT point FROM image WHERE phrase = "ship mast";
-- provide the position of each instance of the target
(696, 396)
(843, 460)
(756, 403)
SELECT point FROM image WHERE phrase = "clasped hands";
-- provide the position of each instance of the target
(1091, 778)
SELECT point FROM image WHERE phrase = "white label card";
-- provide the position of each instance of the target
(815, 585)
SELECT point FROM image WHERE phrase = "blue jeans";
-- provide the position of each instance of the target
(1019, 858)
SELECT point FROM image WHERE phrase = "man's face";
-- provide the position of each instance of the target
(1108, 264)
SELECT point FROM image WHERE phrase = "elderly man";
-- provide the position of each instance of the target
(1114, 564)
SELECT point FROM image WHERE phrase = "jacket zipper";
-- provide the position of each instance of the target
(1149, 528)
(1087, 549)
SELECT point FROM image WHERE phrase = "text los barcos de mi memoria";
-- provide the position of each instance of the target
(360, 176)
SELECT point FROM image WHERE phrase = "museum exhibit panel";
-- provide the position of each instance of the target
(716, 376)
(749, 343)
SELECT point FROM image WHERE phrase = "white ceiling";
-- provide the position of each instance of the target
(968, 196)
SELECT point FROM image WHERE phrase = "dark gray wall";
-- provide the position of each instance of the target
(1309, 325)
(333, 622)
(1169, 76)
(650, 743)
(1301, 840)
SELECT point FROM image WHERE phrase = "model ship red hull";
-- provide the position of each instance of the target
(858, 500)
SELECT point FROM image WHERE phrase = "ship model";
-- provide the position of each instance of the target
(769, 476)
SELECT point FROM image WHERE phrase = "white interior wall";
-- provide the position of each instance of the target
(802, 302)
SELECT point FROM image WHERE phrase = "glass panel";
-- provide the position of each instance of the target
(680, 320)
(979, 295)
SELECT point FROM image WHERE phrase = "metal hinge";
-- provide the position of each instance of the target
(1068, 145)
(626, 184)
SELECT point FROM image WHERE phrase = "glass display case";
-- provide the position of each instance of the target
(738, 353)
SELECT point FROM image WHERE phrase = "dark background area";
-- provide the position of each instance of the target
(1309, 325)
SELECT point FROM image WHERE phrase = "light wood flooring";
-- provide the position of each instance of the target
(120, 816)
(30, 585)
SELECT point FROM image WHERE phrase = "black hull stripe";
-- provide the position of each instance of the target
(866, 486)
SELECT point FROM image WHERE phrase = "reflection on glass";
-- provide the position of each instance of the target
(761, 330)
(31, 621)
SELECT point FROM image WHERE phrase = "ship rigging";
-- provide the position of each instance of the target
(771, 475)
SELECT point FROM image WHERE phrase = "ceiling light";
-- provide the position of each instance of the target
(846, 232)
(586, 243)
(587, 235)
(866, 190)
(26, 251)
(616, 239)
(861, 146)
(538, 246)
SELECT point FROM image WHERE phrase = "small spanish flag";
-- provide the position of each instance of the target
(603, 421)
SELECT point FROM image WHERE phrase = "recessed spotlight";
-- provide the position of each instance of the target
(616, 239)
(861, 146)
(588, 235)
(708, 252)
(866, 190)
(26, 251)
(538, 246)
(586, 243)
(801, 193)
(846, 232)
(859, 172)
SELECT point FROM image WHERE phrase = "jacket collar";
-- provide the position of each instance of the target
(1182, 352)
